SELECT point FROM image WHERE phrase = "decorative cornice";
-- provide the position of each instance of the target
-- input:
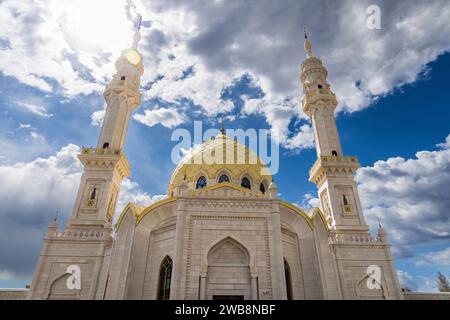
(80, 234)
(227, 204)
(361, 239)
(14, 294)
(122, 88)
(98, 158)
(426, 295)
(318, 98)
(332, 166)
(193, 202)
(208, 191)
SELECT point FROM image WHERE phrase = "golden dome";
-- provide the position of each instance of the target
(210, 160)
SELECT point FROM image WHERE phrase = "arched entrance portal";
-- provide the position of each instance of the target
(228, 276)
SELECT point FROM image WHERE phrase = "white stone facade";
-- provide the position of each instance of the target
(224, 242)
(216, 240)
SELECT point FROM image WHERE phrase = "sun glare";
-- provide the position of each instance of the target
(99, 25)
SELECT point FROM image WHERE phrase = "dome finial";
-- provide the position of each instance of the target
(56, 216)
(307, 45)
(137, 34)
(222, 129)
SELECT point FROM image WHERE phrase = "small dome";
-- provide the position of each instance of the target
(210, 160)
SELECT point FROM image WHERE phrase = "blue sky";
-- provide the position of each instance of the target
(243, 64)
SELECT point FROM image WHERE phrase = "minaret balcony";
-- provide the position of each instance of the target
(332, 166)
(101, 151)
(123, 86)
(311, 99)
(105, 158)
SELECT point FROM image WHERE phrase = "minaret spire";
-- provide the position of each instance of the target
(98, 193)
(332, 172)
(137, 34)
(87, 238)
(307, 45)
(222, 128)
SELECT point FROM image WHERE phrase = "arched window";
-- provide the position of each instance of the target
(106, 145)
(245, 183)
(334, 153)
(320, 86)
(201, 183)
(165, 276)
(224, 178)
(122, 78)
(287, 273)
(262, 188)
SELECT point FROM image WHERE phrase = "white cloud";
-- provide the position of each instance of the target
(407, 280)
(131, 192)
(97, 117)
(436, 258)
(6, 275)
(278, 115)
(446, 144)
(167, 117)
(41, 37)
(62, 42)
(39, 138)
(411, 198)
(30, 194)
(303, 139)
(35, 109)
(427, 284)
(265, 40)
(24, 126)
(310, 201)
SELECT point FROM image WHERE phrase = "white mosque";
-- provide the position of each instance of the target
(222, 232)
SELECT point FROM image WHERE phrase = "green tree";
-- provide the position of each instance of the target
(444, 285)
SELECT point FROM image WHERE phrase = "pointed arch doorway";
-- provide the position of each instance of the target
(228, 274)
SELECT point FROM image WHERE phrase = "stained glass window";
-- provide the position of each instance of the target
(201, 183)
(224, 178)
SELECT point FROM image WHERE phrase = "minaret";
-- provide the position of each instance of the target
(106, 165)
(86, 242)
(333, 173)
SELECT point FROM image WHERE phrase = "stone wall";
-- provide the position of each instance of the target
(426, 295)
(14, 294)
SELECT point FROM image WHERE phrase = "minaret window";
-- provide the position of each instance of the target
(224, 178)
(93, 193)
(106, 145)
(165, 277)
(334, 153)
(201, 183)
(344, 199)
(245, 183)
(262, 188)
